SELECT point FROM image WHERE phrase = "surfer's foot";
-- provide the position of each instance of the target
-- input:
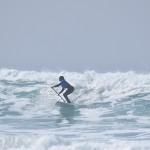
(68, 101)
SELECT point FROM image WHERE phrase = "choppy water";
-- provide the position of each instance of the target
(112, 111)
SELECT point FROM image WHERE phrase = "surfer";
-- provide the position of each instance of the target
(65, 85)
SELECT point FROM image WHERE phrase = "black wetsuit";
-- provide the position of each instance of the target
(70, 89)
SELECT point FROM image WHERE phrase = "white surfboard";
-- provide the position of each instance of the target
(63, 104)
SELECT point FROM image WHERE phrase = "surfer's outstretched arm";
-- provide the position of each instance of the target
(56, 85)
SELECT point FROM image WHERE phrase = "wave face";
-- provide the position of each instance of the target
(112, 111)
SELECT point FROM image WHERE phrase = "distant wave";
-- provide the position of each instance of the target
(90, 84)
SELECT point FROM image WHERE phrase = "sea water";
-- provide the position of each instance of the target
(112, 111)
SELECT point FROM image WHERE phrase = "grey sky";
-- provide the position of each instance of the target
(75, 35)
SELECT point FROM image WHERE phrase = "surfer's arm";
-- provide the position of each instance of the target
(56, 85)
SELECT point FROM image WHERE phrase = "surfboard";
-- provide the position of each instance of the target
(63, 104)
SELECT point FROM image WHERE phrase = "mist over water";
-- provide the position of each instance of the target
(111, 111)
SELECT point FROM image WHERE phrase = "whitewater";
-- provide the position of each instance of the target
(112, 111)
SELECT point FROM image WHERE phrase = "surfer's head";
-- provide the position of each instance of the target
(61, 78)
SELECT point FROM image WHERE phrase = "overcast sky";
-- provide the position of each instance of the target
(75, 35)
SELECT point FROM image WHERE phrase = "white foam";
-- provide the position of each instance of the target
(51, 142)
(36, 100)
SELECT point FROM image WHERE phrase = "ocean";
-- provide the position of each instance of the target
(112, 111)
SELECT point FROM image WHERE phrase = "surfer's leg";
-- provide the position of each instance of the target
(66, 97)
(69, 91)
